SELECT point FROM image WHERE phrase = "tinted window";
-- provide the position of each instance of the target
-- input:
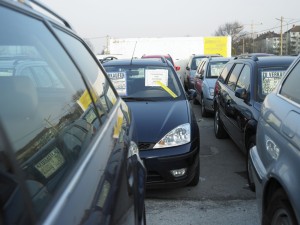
(46, 109)
(290, 88)
(234, 76)
(225, 72)
(244, 79)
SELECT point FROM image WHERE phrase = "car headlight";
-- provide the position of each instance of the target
(178, 136)
(211, 91)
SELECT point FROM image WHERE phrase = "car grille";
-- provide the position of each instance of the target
(145, 146)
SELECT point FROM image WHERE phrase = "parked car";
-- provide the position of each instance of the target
(239, 92)
(68, 143)
(191, 69)
(206, 75)
(167, 56)
(167, 130)
(275, 159)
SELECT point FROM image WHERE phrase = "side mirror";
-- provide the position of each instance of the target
(187, 68)
(241, 93)
(191, 94)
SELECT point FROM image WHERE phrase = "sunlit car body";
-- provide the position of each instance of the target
(168, 133)
(206, 76)
(68, 143)
(239, 92)
(275, 159)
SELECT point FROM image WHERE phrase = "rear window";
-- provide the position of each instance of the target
(268, 79)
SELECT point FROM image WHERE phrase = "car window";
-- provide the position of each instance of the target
(244, 78)
(225, 72)
(151, 82)
(47, 113)
(99, 84)
(195, 63)
(215, 68)
(201, 66)
(231, 82)
(290, 87)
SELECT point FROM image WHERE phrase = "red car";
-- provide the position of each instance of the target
(168, 57)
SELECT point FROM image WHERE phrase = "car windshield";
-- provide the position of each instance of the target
(145, 82)
(268, 79)
(215, 69)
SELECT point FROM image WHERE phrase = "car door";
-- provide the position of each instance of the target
(228, 100)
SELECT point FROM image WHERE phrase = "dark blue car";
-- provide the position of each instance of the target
(168, 134)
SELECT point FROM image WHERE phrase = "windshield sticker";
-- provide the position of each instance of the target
(167, 89)
(119, 81)
(270, 79)
(154, 76)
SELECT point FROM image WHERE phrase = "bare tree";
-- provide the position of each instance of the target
(235, 30)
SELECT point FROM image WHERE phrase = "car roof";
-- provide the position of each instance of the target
(271, 60)
(138, 62)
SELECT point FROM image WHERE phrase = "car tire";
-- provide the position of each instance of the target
(279, 210)
(196, 178)
(203, 110)
(196, 102)
(250, 144)
(218, 126)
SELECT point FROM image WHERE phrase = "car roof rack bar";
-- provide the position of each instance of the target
(38, 3)
(246, 56)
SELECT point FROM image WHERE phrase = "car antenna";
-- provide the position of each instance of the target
(133, 52)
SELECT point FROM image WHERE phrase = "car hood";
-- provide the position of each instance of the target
(211, 82)
(156, 119)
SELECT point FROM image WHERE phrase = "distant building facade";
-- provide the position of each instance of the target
(270, 42)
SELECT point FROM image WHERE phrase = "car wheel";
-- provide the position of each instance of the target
(218, 126)
(195, 180)
(196, 102)
(203, 110)
(279, 211)
(251, 143)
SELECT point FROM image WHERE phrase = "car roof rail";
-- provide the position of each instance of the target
(47, 9)
(163, 59)
(253, 56)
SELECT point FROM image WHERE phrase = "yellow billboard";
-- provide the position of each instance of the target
(217, 45)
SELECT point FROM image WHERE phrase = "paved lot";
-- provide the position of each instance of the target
(222, 196)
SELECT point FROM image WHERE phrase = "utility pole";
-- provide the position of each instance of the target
(281, 21)
(252, 32)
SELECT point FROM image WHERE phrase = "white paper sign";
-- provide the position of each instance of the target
(152, 76)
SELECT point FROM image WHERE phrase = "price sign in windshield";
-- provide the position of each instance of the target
(270, 79)
(119, 81)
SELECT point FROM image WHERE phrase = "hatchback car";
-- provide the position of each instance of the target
(275, 158)
(191, 68)
(239, 92)
(167, 130)
(68, 143)
(206, 76)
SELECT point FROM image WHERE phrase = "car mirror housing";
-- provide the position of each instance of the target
(241, 93)
(187, 68)
(191, 94)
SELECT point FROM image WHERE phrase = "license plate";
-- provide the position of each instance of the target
(50, 163)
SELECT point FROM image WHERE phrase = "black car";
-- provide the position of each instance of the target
(68, 142)
(239, 93)
(168, 134)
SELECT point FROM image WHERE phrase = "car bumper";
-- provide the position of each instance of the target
(160, 162)
(209, 104)
(260, 175)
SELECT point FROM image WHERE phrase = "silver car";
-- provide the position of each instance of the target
(275, 160)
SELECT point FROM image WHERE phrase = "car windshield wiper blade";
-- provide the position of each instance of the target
(138, 99)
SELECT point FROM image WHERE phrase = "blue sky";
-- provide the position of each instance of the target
(95, 19)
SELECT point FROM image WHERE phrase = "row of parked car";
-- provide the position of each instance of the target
(80, 139)
(255, 101)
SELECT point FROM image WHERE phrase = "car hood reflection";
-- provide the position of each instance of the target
(156, 119)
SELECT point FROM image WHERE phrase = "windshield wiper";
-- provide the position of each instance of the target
(137, 99)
